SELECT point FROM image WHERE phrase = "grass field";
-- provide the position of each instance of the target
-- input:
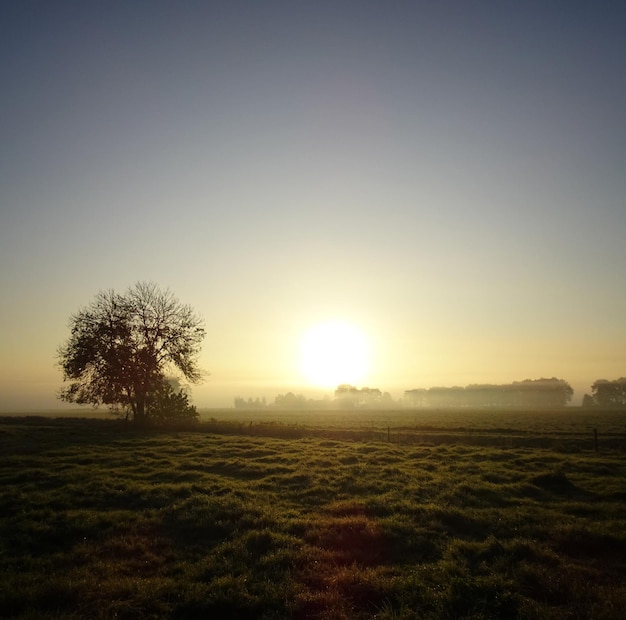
(330, 515)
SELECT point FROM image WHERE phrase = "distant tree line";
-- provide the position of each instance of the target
(537, 393)
(532, 393)
(288, 401)
(529, 393)
(346, 397)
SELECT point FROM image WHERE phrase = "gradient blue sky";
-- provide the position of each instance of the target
(448, 176)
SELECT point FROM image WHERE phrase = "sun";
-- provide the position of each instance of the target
(333, 353)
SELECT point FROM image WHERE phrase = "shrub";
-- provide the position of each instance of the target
(168, 405)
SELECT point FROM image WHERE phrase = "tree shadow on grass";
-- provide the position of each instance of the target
(558, 483)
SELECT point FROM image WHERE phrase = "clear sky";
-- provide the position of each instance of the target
(447, 177)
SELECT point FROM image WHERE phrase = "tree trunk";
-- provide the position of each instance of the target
(140, 413)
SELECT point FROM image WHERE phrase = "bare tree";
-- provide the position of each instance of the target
(122, 346)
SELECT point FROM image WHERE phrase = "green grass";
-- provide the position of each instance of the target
(460, 515)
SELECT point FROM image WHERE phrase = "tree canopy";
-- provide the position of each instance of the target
(608, 393)
(123, 346)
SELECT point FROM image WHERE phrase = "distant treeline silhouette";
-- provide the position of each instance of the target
(346, 397)
(529, 394)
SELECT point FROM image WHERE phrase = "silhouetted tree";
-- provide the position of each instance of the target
(416, 397)
(609, 393)
(121, 347)
(543, 392)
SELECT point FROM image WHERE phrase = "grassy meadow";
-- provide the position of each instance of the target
(388, 515)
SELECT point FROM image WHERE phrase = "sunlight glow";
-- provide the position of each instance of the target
(333, 353)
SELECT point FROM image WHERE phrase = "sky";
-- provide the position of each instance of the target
(446, 177)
